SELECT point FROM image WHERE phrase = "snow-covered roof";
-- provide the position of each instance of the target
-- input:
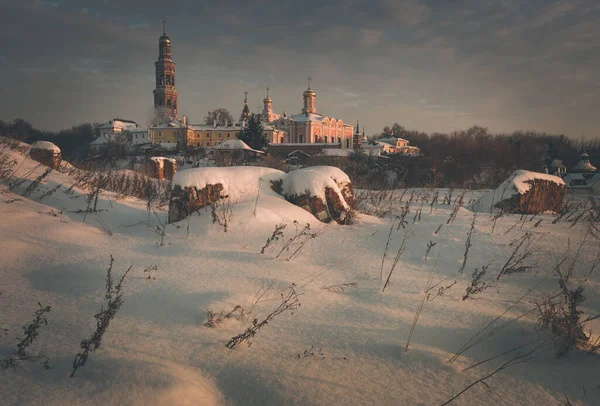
(303, 118)
(170, 124)
(581, 180)
(391, 140)
(121, 125)
(235, 145)
(211, 127)
(584, 165)
(518, 183)
(47, 145)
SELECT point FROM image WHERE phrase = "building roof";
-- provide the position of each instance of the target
(206, 127)
(173, 123)
(391, 140)
(584, 165)
(121, 124)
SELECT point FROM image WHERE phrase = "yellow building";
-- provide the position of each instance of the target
(178, 134)
(170, 135)
(204, 135)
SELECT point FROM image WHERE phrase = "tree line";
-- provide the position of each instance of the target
(73, 142)
(470, 158)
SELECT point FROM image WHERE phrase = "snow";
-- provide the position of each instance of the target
(238, 180)
(517, 183)
(313, 180)
(157, 351)
(161, 160)
(235, 145)
(47, 145)
(122, 125)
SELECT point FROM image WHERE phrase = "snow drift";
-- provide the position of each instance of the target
(524, 192)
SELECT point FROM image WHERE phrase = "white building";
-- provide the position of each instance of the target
(393, 145)
(583, 177)
(124, 133)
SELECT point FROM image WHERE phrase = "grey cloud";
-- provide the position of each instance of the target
(505, 64)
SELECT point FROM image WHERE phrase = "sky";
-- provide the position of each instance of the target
(429, 65)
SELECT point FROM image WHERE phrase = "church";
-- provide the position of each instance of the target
(308, 126)
(304, 129)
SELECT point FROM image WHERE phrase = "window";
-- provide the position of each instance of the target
(228, 135)
(219, 135)
(347, 142)
(300, 138)
(160, 133)
(208, 144)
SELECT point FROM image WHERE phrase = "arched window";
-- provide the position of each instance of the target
(173, 80)
(340, 141)
(168, 104)
(174, 104)
(347, 142)
(300, 138)
(161, 80)
(168, 80)
(326, 139)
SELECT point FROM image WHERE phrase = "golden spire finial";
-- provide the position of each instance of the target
(164, 27)
(246, 96)
(268, 92)
(309, 79)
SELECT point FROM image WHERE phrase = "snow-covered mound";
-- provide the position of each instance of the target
(313, 181)
(519, 183)
(324, 191)
(239, 181)
(45, 145)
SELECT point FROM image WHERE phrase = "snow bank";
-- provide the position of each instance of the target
(313, 181)
(237, 145)
(517, 183)
(239, 181)
(47, 145)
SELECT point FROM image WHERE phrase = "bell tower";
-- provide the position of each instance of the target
(165, 95)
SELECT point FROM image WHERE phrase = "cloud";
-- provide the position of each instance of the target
(370, 37)
(430, 65)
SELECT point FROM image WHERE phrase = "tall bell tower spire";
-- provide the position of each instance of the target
(165, 95)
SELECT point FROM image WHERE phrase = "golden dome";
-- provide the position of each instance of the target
(309, 92)
(164, 39)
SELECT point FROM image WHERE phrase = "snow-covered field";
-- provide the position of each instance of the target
(157, 350)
